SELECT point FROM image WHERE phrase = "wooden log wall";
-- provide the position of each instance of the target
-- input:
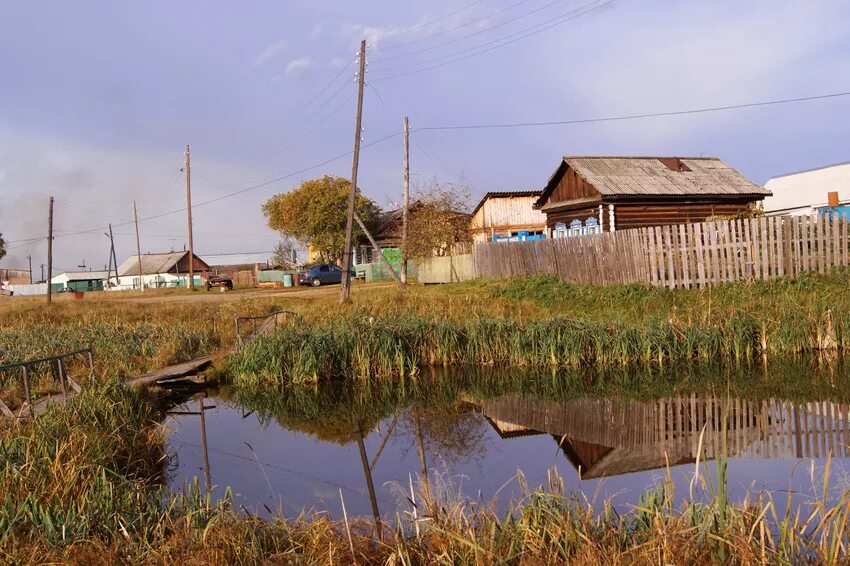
(678, 256)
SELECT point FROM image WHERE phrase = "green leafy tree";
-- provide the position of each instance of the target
(315, 214)
(2, 246)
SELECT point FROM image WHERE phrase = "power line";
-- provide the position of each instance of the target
(222, 197)
(461, 26)
(548, 26)
(640, 116)
(425, 24)
(465, 37)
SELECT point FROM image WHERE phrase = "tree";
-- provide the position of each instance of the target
(438, 220)
(284, 252)
(315, 214)
(2, 246)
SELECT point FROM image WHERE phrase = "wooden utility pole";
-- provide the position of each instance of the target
(189, 218)
(138, 248)
(405, 202)
(345, 288)
(29, 258)
(114, 257)
(50, 252)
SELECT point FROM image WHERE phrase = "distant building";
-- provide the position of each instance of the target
(161, 270)
(595, 194)
(507, 216)
(806, 192)
(78, 281)
(14, 276)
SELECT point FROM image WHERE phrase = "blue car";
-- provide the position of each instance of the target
(321, 274)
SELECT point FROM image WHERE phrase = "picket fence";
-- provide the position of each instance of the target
(678, 256)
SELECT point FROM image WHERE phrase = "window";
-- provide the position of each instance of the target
(324, 269)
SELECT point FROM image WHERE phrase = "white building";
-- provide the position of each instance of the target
(79, 281)
(806, 191)
(161, 270)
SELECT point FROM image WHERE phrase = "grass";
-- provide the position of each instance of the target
(84, 483)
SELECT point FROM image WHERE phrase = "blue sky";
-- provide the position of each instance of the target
(98, 99)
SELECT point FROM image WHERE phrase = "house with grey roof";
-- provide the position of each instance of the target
(161, 270)
(602, 194)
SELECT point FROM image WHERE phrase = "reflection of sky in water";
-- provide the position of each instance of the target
(297, 471)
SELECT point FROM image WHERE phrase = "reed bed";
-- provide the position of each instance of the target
(357, 347)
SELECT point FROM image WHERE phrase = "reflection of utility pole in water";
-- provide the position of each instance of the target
(367, 471)
(201, 410)
(423, 464)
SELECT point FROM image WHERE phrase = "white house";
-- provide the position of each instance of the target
(806, 191)
(161, 270)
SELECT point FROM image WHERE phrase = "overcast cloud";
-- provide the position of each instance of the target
(98, 99)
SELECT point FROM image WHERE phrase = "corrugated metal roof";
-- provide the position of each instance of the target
(152, 264)
(82, 275)
(649, 176)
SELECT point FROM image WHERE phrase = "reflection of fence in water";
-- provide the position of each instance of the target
(634, 435)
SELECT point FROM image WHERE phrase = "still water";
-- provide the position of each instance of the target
(298, 454)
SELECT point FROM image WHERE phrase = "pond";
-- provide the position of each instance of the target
(291, 452)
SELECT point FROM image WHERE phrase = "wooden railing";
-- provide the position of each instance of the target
(58, 365)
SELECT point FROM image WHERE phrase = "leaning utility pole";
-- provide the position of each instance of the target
(138, 248)
(345, 288)
(405, 202)
(50, 252)
(189, 218)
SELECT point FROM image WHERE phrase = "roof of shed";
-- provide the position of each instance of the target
(152, 264)
(506, 194)
(649, 176)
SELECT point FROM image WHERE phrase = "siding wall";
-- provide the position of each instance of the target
(506, 214)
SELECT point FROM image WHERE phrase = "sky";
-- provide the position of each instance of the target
(99, 99)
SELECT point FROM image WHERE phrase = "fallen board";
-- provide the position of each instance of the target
(171, 372)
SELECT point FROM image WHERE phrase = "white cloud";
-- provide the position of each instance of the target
(298, 68)
(270, 53)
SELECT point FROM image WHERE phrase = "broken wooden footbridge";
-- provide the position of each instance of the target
(179, 377)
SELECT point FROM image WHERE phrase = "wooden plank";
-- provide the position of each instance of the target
(170, 372)
(764, 249)
(684, 244)
(653, 255)
(771, 246)
(725, 251)
(818, 245)
(699, 254)
(836, 242)
(747, 250)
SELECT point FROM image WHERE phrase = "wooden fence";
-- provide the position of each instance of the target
(680, 256)
(447, 269)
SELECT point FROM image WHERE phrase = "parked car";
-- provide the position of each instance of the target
(321, 274)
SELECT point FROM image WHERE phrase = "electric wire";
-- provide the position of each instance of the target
(465, 37)
(425, 24)
(461, 26)
(547, 26)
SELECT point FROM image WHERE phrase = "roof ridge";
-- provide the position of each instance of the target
(707, 157)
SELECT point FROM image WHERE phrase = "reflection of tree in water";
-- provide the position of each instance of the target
(454, 434)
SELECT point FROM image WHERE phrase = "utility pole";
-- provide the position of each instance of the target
(29, 258)
(114, 257)
(189, 218)
(50, 252)
(405, 202)
(138, 247)
(42, 272)
(345, 288)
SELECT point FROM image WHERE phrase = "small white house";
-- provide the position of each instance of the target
(78, 281)
(161, 270)
(807, 191)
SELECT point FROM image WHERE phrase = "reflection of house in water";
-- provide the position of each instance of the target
(605, 437)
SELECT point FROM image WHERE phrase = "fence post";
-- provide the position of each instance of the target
(27, 389)
(61, 371)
